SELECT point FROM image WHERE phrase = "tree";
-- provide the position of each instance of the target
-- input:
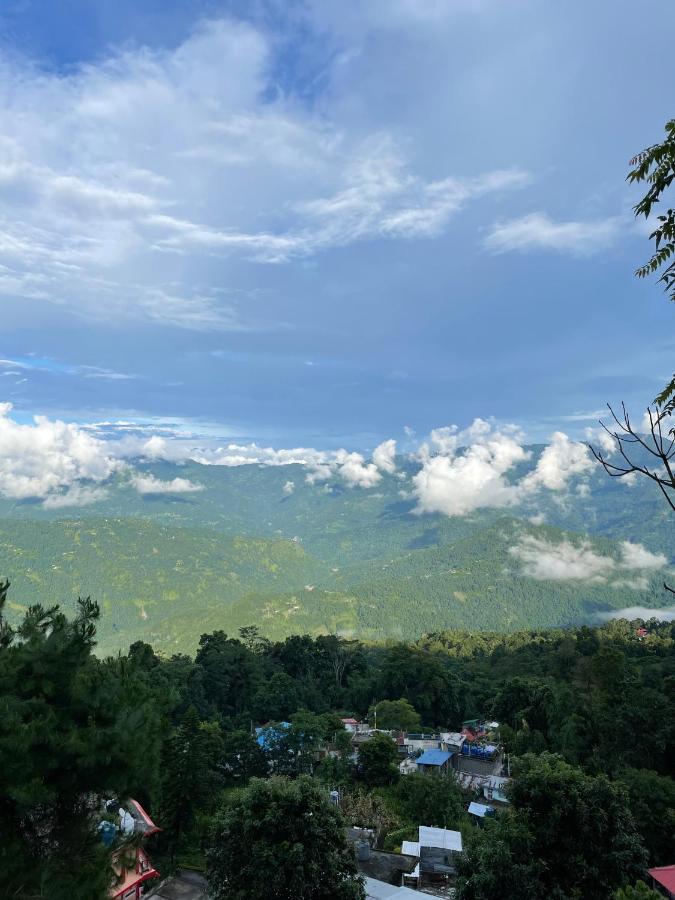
(242, 758)
(377, 760)
(656, 165)
(73, 731)
(652, 804)
(500, 863)
(425, 681)
(397, 714)
(651, 456)
(430, 801)
(275, 699)
(639, 892)
(365, 809)
(559, 815)
(279, 839)
(189, 768)
(230, 673)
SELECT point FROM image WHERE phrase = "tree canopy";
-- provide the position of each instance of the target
(281, 839)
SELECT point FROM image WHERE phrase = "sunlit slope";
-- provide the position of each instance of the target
(168, 584)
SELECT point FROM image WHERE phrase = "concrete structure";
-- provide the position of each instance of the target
(491, 787)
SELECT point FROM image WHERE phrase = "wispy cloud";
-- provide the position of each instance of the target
(182, 158)
(537, 231)
(546, 560)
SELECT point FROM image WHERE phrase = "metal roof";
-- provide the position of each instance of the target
(480, 809)
(434, 758)
(380, 890)
(440, 837)
(665, 875)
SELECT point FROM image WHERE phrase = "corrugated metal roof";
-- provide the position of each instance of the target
(434, 758)
(480, 809)
(380, 890)
(440, 837)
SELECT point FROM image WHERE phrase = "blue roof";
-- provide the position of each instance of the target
(268, 736)
(434, 758)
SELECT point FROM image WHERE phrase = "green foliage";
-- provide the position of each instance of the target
(377, 760)
(559, 816)
(190, 777)
(281, 838)
(430, 801)
(242, 758)
(73, 730)
(640, 892)
(656, 166)
(399, 715)
(166, 570)
(652, 805)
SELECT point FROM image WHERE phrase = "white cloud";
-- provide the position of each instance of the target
(47, 457)
(564, 561)
(76, 495)
(537, 231)
(289, 487)
(635, 556)
(458, 483)
(148, 484)
(384, 456)
(354, 470)
(546, 560)
(185, 164)
(561, 460)
(666, 614)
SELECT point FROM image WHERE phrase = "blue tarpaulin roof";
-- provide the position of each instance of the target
(434, 758)
(270, 735)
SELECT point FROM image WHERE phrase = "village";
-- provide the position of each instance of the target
(426, 866)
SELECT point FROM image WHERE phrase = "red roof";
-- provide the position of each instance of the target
(147, 826)
(665, 875)
(350, 721)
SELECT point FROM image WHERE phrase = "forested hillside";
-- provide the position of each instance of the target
(324, 558)
(585, 715)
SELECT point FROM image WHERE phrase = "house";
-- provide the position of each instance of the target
(131, 864)
(452, 741)
(351, 725)
(480, 759)
(663, 880)
(414, 742)
(481, 810)
(434, 762)
(491, 787)
(436, 849)
(408, 766)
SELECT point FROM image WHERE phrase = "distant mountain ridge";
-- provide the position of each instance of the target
(325, 557)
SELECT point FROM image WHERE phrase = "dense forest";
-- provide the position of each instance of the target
(587, 717)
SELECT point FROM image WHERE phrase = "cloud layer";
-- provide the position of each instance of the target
(546, 560)
(459, 471)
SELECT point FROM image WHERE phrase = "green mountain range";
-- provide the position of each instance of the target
(327, 558)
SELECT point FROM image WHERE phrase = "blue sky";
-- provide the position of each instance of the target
(315, 223)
